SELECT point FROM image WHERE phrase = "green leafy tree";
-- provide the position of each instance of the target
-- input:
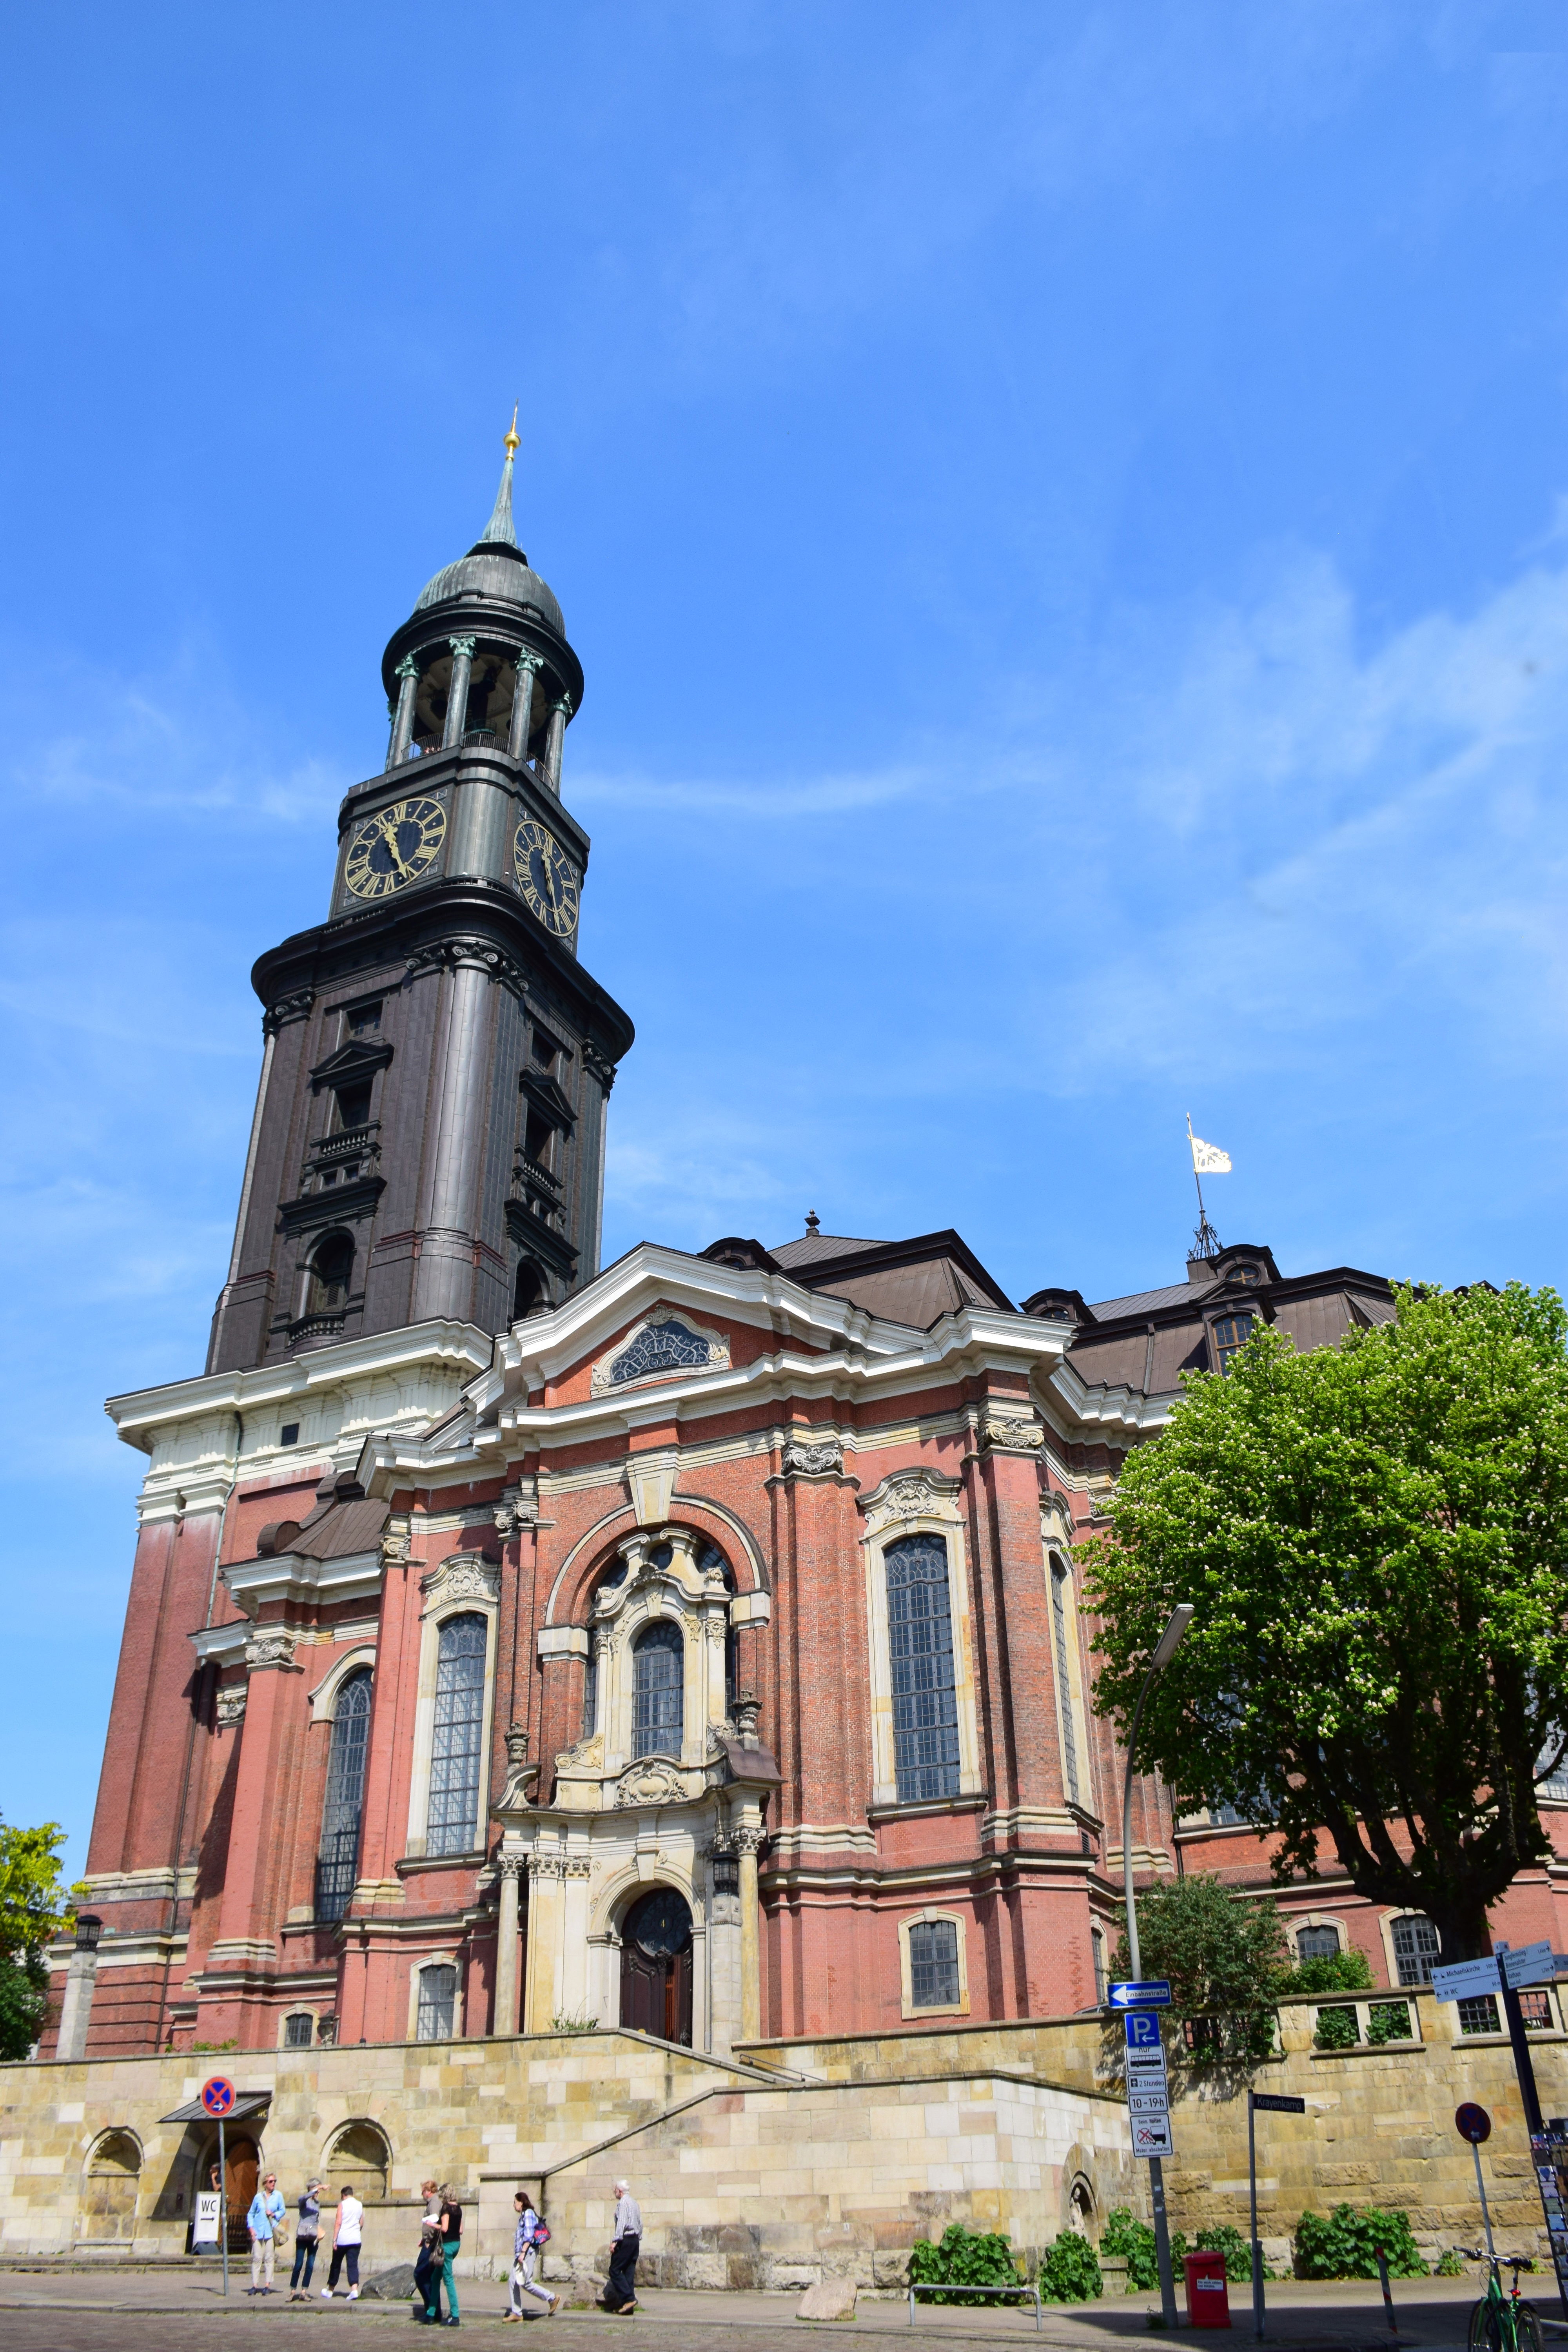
(1373, 1536)
(35, 1906)
(1347, 1971)
(1224, 1956)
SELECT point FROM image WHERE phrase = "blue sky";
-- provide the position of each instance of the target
(1063, 512)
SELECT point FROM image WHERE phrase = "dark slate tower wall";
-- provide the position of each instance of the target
(437, 1062)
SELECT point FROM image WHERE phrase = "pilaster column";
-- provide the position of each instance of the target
(529, 666)
(402, 718)
(511, 1869)
(458, 692)
(747, 1843)
(546, 1889)
(560, 713)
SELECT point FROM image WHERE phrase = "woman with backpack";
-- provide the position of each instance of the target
(532, 2237)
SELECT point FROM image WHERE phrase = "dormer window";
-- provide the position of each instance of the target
(1231, 1334)
(1250, 1274)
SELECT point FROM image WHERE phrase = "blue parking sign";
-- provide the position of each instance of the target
(1142, 2029)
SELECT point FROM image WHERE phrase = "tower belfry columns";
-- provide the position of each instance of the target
(403, 724)
(529, 666)
(458, 692)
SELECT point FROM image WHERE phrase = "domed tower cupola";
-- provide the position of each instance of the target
(482, 660)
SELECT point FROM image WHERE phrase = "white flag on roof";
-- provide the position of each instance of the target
(1209, 1160)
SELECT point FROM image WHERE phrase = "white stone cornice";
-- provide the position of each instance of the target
(224, 1645)
(1075, 1408)
(140, 1413)
(356, 1577)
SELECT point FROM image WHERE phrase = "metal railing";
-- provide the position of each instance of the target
(936, 2287)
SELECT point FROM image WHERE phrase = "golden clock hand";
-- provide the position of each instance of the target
(389, 834)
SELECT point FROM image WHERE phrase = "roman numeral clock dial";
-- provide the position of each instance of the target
(394, 846)
(550, 883)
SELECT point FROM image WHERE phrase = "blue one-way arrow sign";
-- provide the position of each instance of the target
(1147, 1992)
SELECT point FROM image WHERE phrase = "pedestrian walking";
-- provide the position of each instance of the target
(307, 2236)
(263, 2220)
(620, 2288)
(427, 2261)
(348, 2233)
(528, 2249)
(451, 2227)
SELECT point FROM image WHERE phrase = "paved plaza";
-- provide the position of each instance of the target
(140, 2309)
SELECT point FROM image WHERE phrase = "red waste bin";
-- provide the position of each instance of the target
(1208, 2299)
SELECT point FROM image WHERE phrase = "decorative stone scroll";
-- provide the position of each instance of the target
(905, 1495)
(1005, 1433)
(804, 1461)
(462, 1577)
(394, 1542)
(231, 1701)
(651, 1781)
(518, 1508)
(275, 1647)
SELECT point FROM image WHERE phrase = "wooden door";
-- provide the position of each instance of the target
(242, 2169)
(656, 1965)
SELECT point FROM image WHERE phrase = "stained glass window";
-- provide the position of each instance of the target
(660, 1347)
(925, 1696)
(438, 2003)
(453, 1825)
(933, 1964)
(659, 1662)
(339, 1851)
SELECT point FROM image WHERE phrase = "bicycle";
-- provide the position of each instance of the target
(1502, 2322)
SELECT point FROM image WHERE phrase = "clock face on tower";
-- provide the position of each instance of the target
(394, 846)
(549, 881)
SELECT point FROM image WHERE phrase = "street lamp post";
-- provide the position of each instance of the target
(1165, 1650)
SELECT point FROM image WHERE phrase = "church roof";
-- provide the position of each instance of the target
(813, 1249)
(912, 1282)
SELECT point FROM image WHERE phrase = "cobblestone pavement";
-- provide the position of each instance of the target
(145, 2310)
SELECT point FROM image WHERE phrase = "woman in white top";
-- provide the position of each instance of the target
(348, 2233)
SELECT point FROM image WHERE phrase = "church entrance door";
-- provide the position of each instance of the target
(242, 2171)
(656, 1965)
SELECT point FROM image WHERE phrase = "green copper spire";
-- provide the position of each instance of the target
(500, 531)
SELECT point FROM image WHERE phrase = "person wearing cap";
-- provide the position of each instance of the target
(307, 2236)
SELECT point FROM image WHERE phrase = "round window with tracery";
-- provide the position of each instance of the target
(660, 1925)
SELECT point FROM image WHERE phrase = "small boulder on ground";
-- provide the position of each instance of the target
(830, 2298)
(394, 2285)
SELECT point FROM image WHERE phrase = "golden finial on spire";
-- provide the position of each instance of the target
(513, 442)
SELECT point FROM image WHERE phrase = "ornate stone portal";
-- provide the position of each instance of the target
(681, 1807)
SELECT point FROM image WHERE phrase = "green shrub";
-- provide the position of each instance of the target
(1221, 2238)
(1123, 2239)
(964, 2258)
(562, 2024)
(1388, 2020)
(1070, 2271)
(1344, 2243)
(1336, 2030)
(1451, 2263)
(1335, 1972)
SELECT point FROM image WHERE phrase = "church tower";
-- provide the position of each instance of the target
(430, 1128)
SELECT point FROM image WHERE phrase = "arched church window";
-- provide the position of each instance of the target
(339, 1852)
(453, 1820)
(925, 1689)
(1317, 1943)
(1416, 1948)
(332, 1274)
(658, 1693)
(933, 1964)
(438, 2003)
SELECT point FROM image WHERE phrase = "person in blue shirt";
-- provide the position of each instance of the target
(527, 2246)
(264, 2221)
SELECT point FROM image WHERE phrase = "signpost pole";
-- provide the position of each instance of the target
(223, 2202)
(1481, 2193)
(1252, 2195)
